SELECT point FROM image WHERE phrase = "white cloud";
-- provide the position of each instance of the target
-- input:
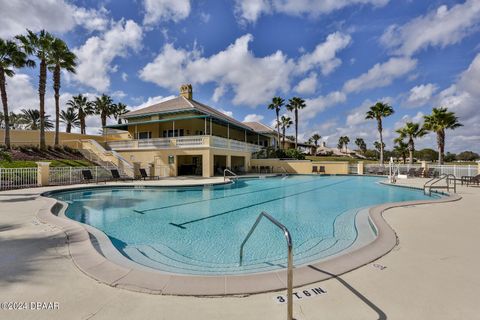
(421, 94)
(119, 94)
(253, 118)
(251, 10)
(307, 85)
(52, 15)
(164, 10)
(356, 116)
(254, 80)
(226, 112)
(440, 27)
(95, 57)
(205, 17)
(124, 76)
(151, 101)
(319, 104)
(381, 74)
(324, 55)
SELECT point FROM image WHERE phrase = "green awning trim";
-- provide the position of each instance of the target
(113, 126)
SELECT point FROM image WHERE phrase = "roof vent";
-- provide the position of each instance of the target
(186, 91)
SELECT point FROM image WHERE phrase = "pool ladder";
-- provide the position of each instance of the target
(290, 256)
(431, 184)
(232, 174)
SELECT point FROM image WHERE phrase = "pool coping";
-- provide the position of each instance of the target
(92, 263)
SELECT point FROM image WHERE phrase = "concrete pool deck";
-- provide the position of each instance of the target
(430, 274)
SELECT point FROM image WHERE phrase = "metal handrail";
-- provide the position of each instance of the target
(290, 257)
(436, 180)
(229, 171)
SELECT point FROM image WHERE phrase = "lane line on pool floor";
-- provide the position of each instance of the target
(182, 225)
(218, 198)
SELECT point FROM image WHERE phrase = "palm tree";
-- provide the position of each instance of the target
(11, 56)
(119, 109)
(316, 137)
(39, 45)
(411, 131)
(343, 143)
(378, 111)
(104, 107)
(60, 58)
(83, 107)
(440, 120)
(276, 105)
(31, 120)
(362, 146)
(294, 105)
(70, 119)
(379, 146)
(284, 124)
(401, 149)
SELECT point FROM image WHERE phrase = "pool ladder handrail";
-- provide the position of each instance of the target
(290, 256)
(233, 174)
(430, 184)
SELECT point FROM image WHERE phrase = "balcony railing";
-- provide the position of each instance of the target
(184, 142)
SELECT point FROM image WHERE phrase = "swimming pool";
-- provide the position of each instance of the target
(199, 230)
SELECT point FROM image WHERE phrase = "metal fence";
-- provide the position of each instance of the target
(353, 169)
(15, 178)
(457, 171)
(72, 175)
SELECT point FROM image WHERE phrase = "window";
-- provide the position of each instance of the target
(170, 133)
(145, 135)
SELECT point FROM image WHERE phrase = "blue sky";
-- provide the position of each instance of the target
(341, 56)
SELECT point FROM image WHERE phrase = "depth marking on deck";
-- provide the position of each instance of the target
(301, 295)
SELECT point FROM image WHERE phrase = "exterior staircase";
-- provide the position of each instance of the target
(107, 159)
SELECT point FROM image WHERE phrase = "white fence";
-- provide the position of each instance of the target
(72, 175)
(15, 178)
(457, 171)
(353, 168)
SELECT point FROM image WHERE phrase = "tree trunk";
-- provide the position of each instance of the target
(441, 145)
(380, 129)
(296, 128)
(277, 111)
(6, 118)
(56, 88)
(411, 149)
(41, 93)
(69, 127)
(283, 138)
(81, 116)
(104, 119)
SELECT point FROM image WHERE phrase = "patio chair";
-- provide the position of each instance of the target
(322, 169)
(371, 170)
(117, 176)
(472, 180)
(314, 169)
(411, 172)
(431, 173)
(145, 176)
(88, 177)
(419, 172)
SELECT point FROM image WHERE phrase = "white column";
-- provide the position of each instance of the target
(210, 125)
(228, 130)
(205, 131)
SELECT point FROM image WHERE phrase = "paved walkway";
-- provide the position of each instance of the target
(431, 274)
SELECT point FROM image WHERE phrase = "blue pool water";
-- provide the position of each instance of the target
(199, 230)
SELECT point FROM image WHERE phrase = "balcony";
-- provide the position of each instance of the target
(184, 142)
